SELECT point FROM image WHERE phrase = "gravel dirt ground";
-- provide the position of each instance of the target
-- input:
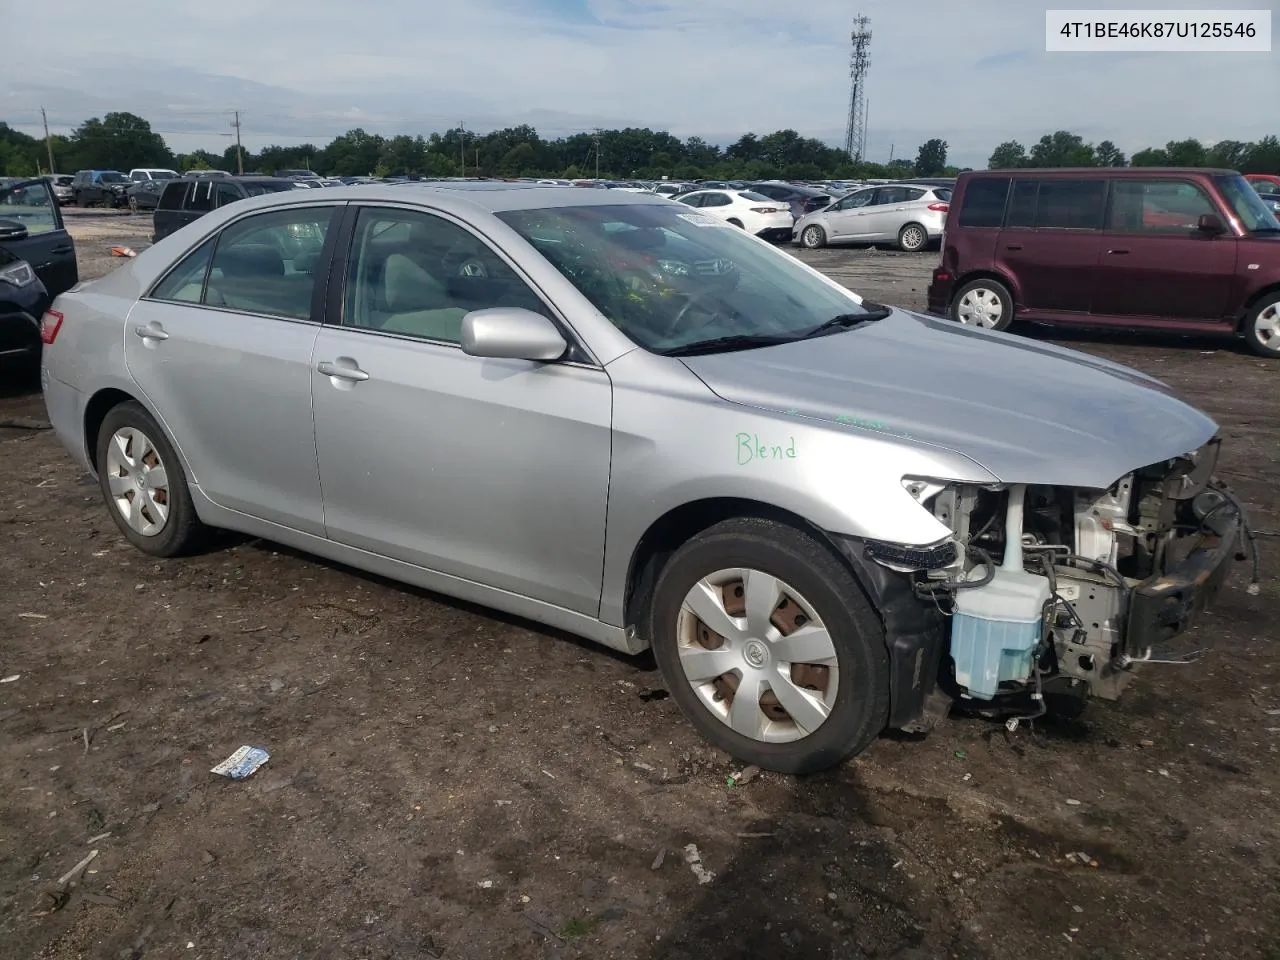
(447, 783)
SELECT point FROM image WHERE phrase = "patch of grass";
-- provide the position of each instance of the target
(578, 927)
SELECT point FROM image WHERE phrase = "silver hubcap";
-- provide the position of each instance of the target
(913, 238)
(138, 481)
(1266, 327)
(812, 237)
(980, 307)
(757, 656)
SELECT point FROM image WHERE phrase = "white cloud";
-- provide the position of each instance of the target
(973, 73)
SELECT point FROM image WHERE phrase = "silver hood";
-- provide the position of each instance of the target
(1028, 412)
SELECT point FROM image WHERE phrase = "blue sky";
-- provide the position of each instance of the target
(974, 73)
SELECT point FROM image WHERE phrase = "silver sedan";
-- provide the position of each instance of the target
(618, 416)
(909, 215)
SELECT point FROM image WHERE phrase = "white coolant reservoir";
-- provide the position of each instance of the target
(996, 627)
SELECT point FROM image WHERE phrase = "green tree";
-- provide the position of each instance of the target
(1061, 149)
(1230, 154)
(1185, 153)
(1107, 154)
(119, 141)
(519, 160)
(1150, 157)
(1008, 156)
(931, 159)
(1262, 157)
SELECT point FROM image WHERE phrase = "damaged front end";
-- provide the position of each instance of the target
(1047, 595)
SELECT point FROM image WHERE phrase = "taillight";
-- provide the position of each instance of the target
(50, 324)
(941, 276)
(940, 207)
(766, 210)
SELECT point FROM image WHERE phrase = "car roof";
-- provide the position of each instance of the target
(1095, 172)
(498, 196)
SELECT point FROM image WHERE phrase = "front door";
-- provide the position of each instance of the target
(1155, 263)
(844, 218)
(47, 246)
(1050, 240)
(494, 471)
(222, 349)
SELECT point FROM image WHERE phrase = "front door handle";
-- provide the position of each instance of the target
(1118, 251)
(63, 248)
(151, 331)
(347, 370)
(1013, 246)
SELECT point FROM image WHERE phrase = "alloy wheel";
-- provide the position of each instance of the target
(1266, 327)
(138, 481)
(980, 307)
(913, 239)
(757, 655)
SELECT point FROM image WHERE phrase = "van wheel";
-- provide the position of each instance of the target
(143, 484)
(769, 647)
(983, 303)
(813, 237)
(1262, 327)
(913, 238)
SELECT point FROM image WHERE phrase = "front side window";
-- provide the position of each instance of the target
(31, 205)
(983, 202)
(418, 275)
(1157, 206)
(266, 263)
(670, 279)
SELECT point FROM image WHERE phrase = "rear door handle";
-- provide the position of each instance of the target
(1118, 251)
(343, 371)
(1013, 246)
(151, 331)
(63, 248)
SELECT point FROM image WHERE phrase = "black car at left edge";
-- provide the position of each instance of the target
(37, 263)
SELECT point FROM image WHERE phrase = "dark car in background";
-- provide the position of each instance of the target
(37, 263)
(187, 199)
(144, 195)
(800, 198)
(103, 187)
(1191, 250)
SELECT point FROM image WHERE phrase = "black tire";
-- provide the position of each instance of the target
(813, 237)
(913, 238)
(995, 287)
(182, 532)
(860, 707)
(1264, 344)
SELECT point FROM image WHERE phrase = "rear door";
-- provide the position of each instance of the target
(1155, 263)
(222, 349)
(47, 246)
(1050, 242)
(882, 217)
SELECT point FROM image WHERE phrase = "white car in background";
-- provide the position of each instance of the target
(753, 212)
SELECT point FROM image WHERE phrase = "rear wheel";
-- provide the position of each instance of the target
(983, 303)
(142, 482)
(769, 647)
(813, 237)
(913, 238)
(1262, 327)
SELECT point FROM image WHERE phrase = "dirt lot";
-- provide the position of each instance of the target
(444, 783)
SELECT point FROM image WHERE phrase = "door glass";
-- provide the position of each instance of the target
(693, 199)
(860, 199)
(224, 193)
(265, 263)
(983, 202)
(910, 194)
(185, 282)
(1022, 205)
(30, 205)
(1071, 204)
(201, 198)
(418, 275)
(716, 200)
(886, 195)
(1156, 206)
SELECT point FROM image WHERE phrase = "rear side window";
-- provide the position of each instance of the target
(185, 282)
(913, 194)
(225, 193)
(200, 198)
(265, 264)
(983, 203)
(943, 194)
(174, 192)
(1071, 204)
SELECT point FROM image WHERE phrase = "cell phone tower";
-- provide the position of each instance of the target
(855, 137)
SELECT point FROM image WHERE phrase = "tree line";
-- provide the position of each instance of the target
(120, 141)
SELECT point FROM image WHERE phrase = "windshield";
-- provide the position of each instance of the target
(1248, 207)
(669, 277)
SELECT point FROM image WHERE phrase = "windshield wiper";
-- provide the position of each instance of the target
(845, 321)
(742, 341)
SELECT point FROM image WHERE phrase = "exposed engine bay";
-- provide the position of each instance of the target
(1055, 593)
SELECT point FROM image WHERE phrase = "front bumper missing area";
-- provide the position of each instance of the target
(1165, 605)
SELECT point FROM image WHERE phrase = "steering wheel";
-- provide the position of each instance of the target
(691, 300)
(473, 267)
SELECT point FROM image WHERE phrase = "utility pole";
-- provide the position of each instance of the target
(462, 147)
(891, 146)
(239, 152)
(597, 139)
(48, 141)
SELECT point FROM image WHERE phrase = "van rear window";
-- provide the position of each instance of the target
(983, 202)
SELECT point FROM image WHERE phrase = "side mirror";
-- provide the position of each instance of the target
(1210, 223)
(12, 230)
(511, 333)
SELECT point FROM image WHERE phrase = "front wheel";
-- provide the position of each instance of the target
(1262, 327)
(769, 647)
(813, 237)
(983, 303)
